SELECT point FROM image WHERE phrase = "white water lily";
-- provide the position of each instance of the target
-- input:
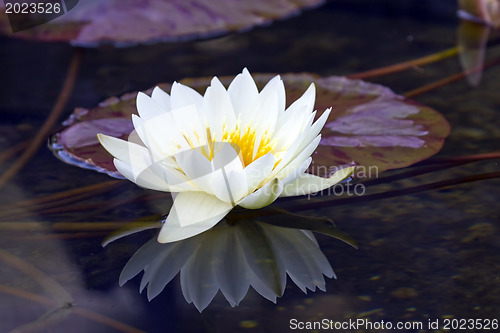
(229, 147)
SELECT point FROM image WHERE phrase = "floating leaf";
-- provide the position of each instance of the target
(127, 22)
(370, 125)
(321, 224)
(283, 218)
(480, 11)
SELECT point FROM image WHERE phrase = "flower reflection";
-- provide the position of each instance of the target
(231, 258)
(479, 19)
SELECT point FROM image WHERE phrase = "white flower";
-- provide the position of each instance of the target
(226, 148)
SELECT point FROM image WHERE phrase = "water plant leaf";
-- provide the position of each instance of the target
(321, 224)
(370, 125)
(128, 22)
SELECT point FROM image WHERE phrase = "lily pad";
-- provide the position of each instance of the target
(480, 11)
(128, 22)
(370, 125)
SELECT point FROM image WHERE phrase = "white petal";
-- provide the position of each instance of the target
(148, 108)
(193, 163)
(297, 172)
(160, 134)
(191, 214)
(230, 186)
(315, 129)
(258, 170)
(275, 86)
(229, 182)
(218, 109)
(223, 176)
(263, 196)
(161, 97)
(303, 106)
(308, 183)
(290, 153)
(243, 92)
(226, 155)
(291, 131)
(177, 180)
(136, 164)
(290, 162)
(155, 178)
(146, 178)
(264, 116)
(296, 118)
(121, 149)
(136, 156)
(182, 96)
(187, 120)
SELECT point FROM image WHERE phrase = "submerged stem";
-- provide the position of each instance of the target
(449, 79)
(7, 154)
(56, 111)
(82, 312)
(56, 199)
(405, 65)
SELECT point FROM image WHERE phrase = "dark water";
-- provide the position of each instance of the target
(425, 256)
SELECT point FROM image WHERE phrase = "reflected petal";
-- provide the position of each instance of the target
(198, 280)
(304, 261)
(162, 270)
(231, 258)
(261, 257)
(232, 276)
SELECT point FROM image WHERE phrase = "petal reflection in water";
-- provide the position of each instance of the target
(230, 258)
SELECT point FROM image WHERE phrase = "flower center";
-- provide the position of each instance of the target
(245, 139)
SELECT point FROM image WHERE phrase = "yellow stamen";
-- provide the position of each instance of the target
(245, 140)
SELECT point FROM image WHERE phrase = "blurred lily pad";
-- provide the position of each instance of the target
(128, 22)
(480, 11)
(370, 125)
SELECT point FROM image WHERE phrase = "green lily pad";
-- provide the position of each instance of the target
(370, 125)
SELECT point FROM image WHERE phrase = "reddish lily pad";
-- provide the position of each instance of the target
(127, 22)
(370, 125)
